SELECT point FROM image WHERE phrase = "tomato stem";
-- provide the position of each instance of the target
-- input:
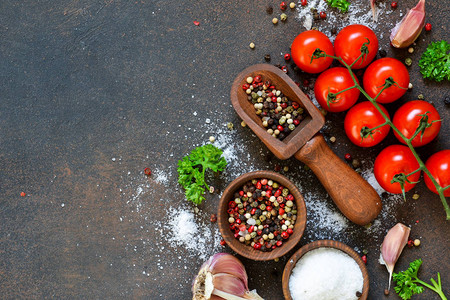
(413, 172)
(389, 82)
(344, 90)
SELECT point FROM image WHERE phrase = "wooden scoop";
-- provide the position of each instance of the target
(354, 197)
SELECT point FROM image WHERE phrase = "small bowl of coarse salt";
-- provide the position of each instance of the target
(325, 269)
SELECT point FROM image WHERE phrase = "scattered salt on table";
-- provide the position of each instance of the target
(325, 273)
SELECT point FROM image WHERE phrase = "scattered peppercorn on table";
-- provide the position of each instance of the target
(101, 99)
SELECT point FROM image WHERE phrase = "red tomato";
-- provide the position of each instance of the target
(334, 80)
(349, 41)
(439, 166)
(303, 47)
(394, 160)
(376, 75)
(407, 119)
(361, 115)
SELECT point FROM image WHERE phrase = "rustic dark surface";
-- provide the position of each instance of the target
(92, 92)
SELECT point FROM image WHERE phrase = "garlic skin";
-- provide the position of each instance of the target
(222, 276)
(392, 246)
(410, 27)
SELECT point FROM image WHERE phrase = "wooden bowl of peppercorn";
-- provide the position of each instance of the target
(249, 197)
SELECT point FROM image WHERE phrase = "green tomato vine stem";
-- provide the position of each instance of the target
(320, 53)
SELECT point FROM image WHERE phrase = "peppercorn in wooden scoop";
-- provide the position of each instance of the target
(354, 197)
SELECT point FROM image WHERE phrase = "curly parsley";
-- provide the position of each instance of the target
(191, 170)
(435, 61)
(342, 5)
(409, 284)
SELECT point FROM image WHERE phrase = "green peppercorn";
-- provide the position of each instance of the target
(262, 206)
(408, 61)
(285, 192)
(275, 185)
(420, 97)
(262, 218)
(283, 17)
(253, 234)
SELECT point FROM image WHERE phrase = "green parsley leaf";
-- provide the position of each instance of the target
(435, 61)
(409, 284)
(342, 5)
(405, 287)
(191, 170)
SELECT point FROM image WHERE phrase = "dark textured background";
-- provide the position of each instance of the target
(92, 92)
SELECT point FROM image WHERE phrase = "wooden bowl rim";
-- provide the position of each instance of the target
(324, 244)
(248, 251)
(283, 150)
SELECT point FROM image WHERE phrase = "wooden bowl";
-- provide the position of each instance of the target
(320, 244)
(307, 128)
(246, 250)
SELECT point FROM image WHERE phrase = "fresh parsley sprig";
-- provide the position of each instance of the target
(342, 5)
(435, 61)
(191, 170)
(409, 284)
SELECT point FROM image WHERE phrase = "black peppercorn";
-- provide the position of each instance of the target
(358, 294)
(267, 57)
(333, 30)
(269, 10)
(447, 101)
(382, 53)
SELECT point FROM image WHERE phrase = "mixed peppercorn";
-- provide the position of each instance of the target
(262, 214)
(278, 114)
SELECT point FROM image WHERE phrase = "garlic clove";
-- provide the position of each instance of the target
(230, 265)
(229, 284)
(410, 27)
(392, 246)
(374, 10)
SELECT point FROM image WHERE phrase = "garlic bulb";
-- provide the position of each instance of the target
(410, 27)
(222, 276)
(392, 246)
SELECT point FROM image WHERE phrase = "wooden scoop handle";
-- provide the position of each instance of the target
(354, 196)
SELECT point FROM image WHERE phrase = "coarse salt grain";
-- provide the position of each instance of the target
(325, 273)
